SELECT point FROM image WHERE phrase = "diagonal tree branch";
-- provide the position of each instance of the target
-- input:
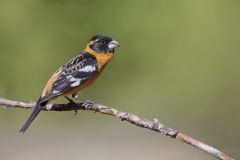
(154, 125)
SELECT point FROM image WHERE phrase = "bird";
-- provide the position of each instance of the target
(79, 73)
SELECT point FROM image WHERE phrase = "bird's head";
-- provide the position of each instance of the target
(102, 44)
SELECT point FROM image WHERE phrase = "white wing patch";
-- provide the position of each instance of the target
(55, 91)
(71, 78)
(75, 84)
(77, 81)
(87, 69)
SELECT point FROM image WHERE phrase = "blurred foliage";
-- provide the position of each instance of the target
(178, 61)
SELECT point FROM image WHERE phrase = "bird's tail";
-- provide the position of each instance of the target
(39, 106)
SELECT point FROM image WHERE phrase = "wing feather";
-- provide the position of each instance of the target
(74, 74)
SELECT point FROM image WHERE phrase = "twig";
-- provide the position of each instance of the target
(154, 125)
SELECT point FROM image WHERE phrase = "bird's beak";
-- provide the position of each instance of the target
(113, 44)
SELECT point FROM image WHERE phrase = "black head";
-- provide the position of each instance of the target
(103, 44)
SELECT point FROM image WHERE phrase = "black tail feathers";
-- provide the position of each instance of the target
(39, 106)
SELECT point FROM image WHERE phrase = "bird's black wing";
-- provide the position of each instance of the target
(75, 73)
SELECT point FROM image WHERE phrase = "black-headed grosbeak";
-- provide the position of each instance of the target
(77, 74)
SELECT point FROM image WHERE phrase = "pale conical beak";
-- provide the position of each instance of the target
(113, 44)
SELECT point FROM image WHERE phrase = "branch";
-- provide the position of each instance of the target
(154, 125)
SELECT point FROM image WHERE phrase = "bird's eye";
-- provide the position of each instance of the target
(103, 42)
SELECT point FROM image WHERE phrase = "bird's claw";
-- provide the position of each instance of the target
(88, 104)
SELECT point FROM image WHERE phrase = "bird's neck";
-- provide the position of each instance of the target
(102, 58)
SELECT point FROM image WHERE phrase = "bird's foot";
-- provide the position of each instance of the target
(88, 104)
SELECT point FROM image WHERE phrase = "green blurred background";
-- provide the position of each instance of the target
(178, 62)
